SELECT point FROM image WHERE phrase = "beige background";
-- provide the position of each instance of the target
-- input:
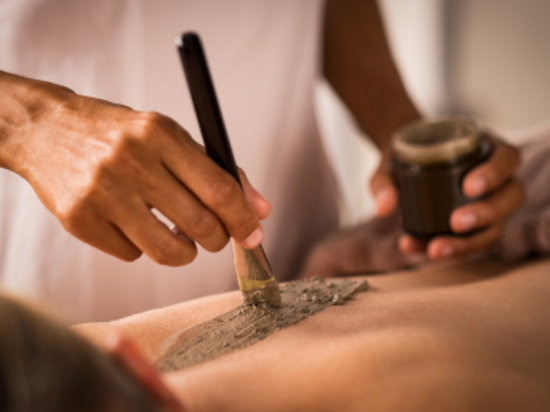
(489, 59)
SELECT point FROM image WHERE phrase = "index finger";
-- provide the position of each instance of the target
(490, 175)
(214, 187)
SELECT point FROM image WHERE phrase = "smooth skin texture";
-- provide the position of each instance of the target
(359, 65)
(100, 168)
(446, 336)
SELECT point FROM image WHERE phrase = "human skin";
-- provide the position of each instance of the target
(359, 66)
(445, 336)
(100, 168)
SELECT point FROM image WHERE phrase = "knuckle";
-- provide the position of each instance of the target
(117, 153)
(243, 227)
(169, 251)
(151, 119)
(223, 192)
(203, 224)
(150, 125)
(125, 158)
(217, 244)
(164, 252)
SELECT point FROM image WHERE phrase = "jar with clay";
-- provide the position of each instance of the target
(430, 161)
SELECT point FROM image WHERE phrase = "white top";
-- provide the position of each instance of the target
(264, 58)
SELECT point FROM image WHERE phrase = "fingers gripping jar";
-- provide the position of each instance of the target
(430, 160)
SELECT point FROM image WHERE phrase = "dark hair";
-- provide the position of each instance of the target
(46, 367)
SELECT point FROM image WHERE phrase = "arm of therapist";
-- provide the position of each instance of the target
(100, 168)
(359, 65)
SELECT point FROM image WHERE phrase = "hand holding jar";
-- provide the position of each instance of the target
(454, 183)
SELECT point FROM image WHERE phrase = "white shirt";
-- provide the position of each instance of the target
(264, 58)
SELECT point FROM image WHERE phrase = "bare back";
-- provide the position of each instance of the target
(442, 337)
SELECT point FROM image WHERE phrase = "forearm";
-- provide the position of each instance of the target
(101, 167)
(23, 103)
(358, 64)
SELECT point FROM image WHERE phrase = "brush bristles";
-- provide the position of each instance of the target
(257, 292)
(255, 277)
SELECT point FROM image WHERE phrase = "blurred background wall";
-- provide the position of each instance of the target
(485, 58)
(500, 60)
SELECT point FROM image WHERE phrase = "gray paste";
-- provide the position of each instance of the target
(247, 324)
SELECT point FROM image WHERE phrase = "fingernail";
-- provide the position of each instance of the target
(478, 186)
(467, 221)
(447, 250)
(254, 239)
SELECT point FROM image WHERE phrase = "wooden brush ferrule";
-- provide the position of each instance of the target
(255, 277)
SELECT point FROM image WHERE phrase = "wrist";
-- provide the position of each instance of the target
(26, 104)
(398, 113)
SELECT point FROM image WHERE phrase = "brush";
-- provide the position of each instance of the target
(254, 274)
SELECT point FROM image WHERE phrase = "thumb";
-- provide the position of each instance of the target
(383, 188)
(260, 204)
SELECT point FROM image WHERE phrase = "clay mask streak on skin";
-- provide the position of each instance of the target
(247, 324)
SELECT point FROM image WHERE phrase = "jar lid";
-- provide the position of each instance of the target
(436, 140)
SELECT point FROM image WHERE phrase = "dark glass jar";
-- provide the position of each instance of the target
(430, 160)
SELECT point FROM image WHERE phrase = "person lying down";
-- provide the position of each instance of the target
(440, 337)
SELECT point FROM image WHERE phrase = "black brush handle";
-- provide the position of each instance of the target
(206, 104)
